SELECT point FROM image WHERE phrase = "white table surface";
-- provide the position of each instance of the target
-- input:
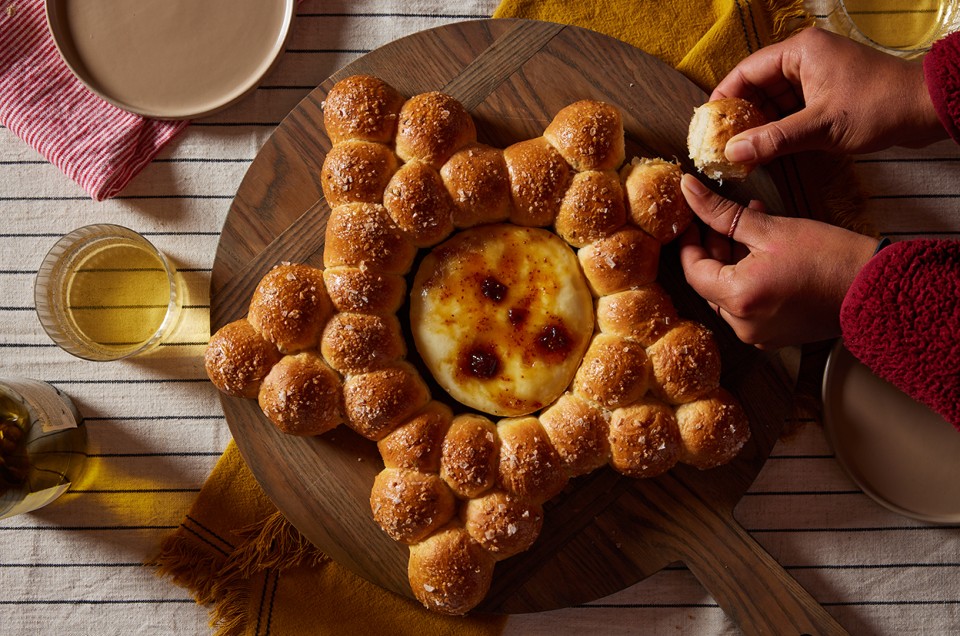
(156, 427)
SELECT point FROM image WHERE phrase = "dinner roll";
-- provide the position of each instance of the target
(409, 505)
(290, 307)
(712, 126)
(685, 363)
(361, 107)
(502, 523)
(588, 134)
(364, 291)
(643, 314)
(417, 443)
(449, 572)
(471, 450)
(237, 359)
(363, 235)
(378, 401)
(578, 431)
(302, 395)
(529, 464)
(477, 180)
(356, 343)
(713, 429)
(629, 258)
(644, 439)
(655, 203)
(419, 204)
(592, 208)
(539, 177)
(614, 371)
(432, 126)
(357, 171)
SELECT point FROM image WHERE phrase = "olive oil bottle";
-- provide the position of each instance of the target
(43, 445)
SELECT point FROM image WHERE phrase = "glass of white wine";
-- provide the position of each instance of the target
(905, 28)
(104, 292)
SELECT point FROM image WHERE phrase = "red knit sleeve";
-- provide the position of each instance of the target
(941, 69)
(901, 318)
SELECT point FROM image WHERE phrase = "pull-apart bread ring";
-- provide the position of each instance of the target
(552, 269)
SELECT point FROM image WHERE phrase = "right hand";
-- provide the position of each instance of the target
(823, 91)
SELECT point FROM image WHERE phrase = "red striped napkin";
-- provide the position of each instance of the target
(96, 144)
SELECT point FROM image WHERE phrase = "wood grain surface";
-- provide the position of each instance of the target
(605, 531)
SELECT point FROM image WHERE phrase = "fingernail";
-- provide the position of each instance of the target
(693, 184)
(740, 150)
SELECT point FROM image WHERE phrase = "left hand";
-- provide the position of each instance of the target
(777, 281)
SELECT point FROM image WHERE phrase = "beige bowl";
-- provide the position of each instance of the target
(171, 59)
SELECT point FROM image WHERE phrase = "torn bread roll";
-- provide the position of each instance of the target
(712, 126)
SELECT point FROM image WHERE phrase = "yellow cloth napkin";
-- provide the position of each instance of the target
(702, 39)
(235, 551)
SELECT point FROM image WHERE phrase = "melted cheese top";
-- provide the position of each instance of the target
(501, 316)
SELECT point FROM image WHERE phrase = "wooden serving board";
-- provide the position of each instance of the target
(605, 531)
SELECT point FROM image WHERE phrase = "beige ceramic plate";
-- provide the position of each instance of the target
(898, 451)
(170, 59)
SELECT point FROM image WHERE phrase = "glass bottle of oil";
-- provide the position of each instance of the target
(43, 444)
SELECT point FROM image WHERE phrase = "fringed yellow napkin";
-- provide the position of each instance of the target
(703, 40)
(237, 553)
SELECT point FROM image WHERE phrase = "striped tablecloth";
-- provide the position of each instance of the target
(156, 427)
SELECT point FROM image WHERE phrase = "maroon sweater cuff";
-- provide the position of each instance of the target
(941, 69)
(901, 318)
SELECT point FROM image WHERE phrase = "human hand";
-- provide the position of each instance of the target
(822, 91)
(776, 281)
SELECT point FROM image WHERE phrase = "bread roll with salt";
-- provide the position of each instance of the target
(419, 204)
(449, 572)
(478, 182)
(539, 177)
(290, 307)
(470, 455)
(379, 401)
(643, 314)
(578, 431)
(432, 126)
(357, 172)
(685, 363)
(614, 372)
(418, 443)
(357, 343)
(361, 107)
(644, 439)
(592, 208)
(502, 523)
(365, 291)
(713, 124)
(713, 429)
(302, 395)
(409, 505)
(529, 464)
(655, 203)
(588, 134)
(237, 359)
(627, 259)
(363, 235)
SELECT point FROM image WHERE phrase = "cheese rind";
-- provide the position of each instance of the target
(501, 315)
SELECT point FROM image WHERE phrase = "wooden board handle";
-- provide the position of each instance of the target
(753, 589)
